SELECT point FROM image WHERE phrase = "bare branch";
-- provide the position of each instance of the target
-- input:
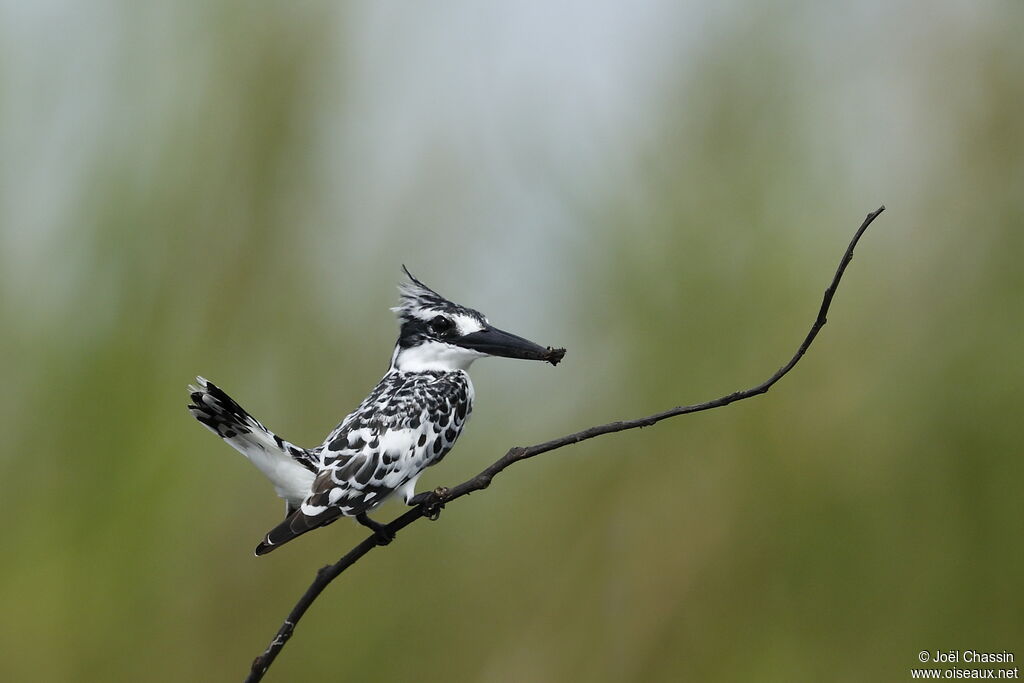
(483, 480)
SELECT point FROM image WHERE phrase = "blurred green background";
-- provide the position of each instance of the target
(229, 189)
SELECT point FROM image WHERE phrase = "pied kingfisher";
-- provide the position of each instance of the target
(409, 421)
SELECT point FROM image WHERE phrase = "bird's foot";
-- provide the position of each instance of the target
(381, 532)
(431, 502)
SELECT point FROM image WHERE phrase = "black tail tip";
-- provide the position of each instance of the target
(264, 548)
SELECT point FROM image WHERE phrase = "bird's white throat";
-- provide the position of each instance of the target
(433, 355)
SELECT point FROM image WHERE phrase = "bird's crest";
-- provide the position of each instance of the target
(419, 302)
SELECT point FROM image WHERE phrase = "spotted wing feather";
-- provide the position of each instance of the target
(408, 423)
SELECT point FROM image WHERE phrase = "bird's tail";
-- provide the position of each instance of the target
(295, 525)
(278, 459)
(228, 420)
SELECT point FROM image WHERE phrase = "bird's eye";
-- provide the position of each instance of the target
(441, 324)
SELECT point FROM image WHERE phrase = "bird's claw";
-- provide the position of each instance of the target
(431, 502)
(383, 535)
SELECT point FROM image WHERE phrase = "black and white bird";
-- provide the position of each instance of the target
(409, 421)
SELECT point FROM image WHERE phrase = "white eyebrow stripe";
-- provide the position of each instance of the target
(467, 324)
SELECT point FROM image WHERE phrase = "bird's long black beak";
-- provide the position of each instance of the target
(495, 342)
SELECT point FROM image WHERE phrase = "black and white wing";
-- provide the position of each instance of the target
(409, 422)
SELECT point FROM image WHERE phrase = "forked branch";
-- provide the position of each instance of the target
(483, 480)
